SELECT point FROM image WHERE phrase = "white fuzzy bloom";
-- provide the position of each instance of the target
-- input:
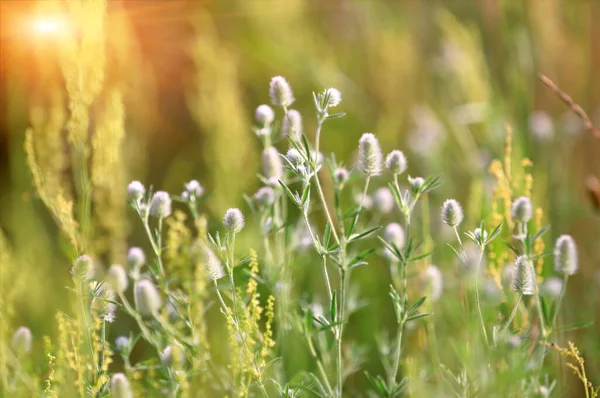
(469, 265)
(84, 267)
(480, 235)
(294, 157)
(523, 277)
(117, 278)
(136, 190)
(272, 164)
(194, 189)
(122, 343)
(452, 213)
(416, 183)
(146, 297)
(160, 206)
(552, 287)
(292, 125)
(234, 220)
(541, 125)
(173, 355)
(365, 200)
(393, 234)
(212, 264)
(264, 115)
(120, 387)
(432, 282)
(565, 255)
(280, 92)
(136, 257)
(369, 155)
(396, 162)
(383, 200)
(22, 340)
(341, 175)
(333, 97)
(265, 196)
(522, 209)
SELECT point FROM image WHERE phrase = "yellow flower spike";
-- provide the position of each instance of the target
(538, 246)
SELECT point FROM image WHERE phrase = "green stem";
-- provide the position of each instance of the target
(478, 301)
(563, 292)
(513, 313)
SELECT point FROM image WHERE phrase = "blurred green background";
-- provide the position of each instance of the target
(437, 79)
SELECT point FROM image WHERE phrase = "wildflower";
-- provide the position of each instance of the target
(383, 200)
(173, 355)
(22, 341)
(341, 175)
(416, 183)
(452, 213)
(120, 387)
(292, 125)
(552, 287)
(271, 163)
(136, 191)
(264, 115)
(280, 92)
(146, 297)
(521, 209)
(234, 220)
(136, 257)
(396, 162)
(117, 278)
(194, 189)
(565, 255)
(212, 264)
(160, 206)
(369, 155)
(432, 282)
(393, 234)
(480, 235)
(365, 200)
(265, 196)
(469, 263)
(333, 97)
(541, 125)
(294, 157)
(122, 343)
(523, 278)
(83, 267)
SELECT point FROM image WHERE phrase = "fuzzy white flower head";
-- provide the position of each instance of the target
(365, 200)
(523, 278)
(452, 213)
(194, 189)
(541, 125)
(369, 155)
(271, 163)
(160, 206)
(233, 220)
(120, 387)
(22, 341)
(292, 125)
(136, 257)
(264, 115)
(136, 190)
(432, 282)
(383, 200)
(394, 233)
(552, 287)
(294, 157)
(416, 183)
(122, 343)
(173, 355)
(480, 235)
(146, 297)
(396, 162)
(212, 264)
(565, 255)
(280, 92)
(341, 175)
(333, 97)
(84, 267)
(265, 196)
(522, 209)
(117, 278)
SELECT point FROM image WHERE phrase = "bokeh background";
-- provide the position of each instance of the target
(438, 79)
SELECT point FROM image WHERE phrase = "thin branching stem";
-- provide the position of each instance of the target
(485, 336)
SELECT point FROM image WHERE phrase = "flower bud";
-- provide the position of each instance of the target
(332, 96)
(173, 355)
(480, 235)
(84, 267)
(265, 196)
(147, 299)
(396, 162)
(120, 387)
(117, 278)
(194, 189)
(416, 183)
(22, 341)
(212, 264)
(122, 343)
(365, 201)
(292, 125)
(280, 92)
(294, 157)
(272, 165)
(523, 278)
(552, 287)
(136, 257)
(432, 282)
(393, 233)
(521, 209)
(369, 155)
(160, 206)
(452, 213)
(341, 175)
(234, 220)
(264, 115)
(383, 200)
(565, 255)
(136, 190)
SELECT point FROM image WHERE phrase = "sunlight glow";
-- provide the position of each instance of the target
(47, 26)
